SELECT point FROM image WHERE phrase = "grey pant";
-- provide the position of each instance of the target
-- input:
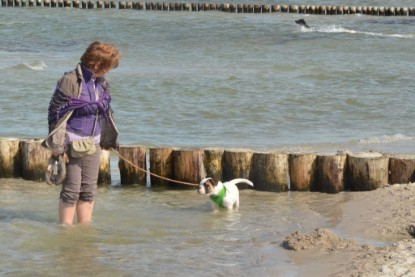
(81, 178)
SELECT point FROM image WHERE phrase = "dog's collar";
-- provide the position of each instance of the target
(218, 198)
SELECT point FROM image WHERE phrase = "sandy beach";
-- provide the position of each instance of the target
(375, 237)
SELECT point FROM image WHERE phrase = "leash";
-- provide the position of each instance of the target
(152, 174)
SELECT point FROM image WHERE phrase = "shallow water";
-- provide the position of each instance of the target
(145, 232)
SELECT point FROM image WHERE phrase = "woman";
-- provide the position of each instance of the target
(80, 111)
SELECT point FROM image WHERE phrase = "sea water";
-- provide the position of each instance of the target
(207, 79)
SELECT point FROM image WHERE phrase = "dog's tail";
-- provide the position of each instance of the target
(241, 180)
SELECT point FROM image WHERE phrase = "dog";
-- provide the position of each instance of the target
(223, 195)
(302, 22)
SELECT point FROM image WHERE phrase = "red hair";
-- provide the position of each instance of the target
(101, 56)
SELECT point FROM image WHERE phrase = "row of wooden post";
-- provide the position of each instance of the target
(269, 171)
(232, 8)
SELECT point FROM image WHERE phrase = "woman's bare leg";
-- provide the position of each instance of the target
(66, 213)
(84, 211)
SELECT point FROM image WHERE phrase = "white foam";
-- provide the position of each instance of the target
(339, 29)
(37, 66)
(386, 139)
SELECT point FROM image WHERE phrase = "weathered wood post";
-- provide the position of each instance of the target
(188, 165)
(10, 158)
(367, 171)
(293, 9)
(212, 161)
(275, 8)
(104, 175)
(34, 160)
(302, 171)
(240, 8)
(161, 163)
(401, 169)
(269, 171)
(129, 174)
(330, 172)
(236, 164)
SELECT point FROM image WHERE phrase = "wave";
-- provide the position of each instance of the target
(339, 29)
(6, 23)
(386, 139)
(36, 66)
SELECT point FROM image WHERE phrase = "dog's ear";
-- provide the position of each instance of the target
(211, 182)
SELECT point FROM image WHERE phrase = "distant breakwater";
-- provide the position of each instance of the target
(269, 171)
(230, 8)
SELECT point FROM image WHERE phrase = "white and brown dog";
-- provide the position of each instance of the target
(223, 195)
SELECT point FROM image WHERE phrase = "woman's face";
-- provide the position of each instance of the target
(100, 72)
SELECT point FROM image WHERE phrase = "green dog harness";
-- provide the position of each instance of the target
(218, 199)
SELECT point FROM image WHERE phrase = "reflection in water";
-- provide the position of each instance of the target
(138, 231)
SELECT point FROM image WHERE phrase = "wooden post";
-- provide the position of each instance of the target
(401, 169)
(188, 165)
(302, 171)
(367, 171)
(269, 171)
(212, 161)
(236, 164)
(275, 8)
(293, 9)
(172, 6)
(331, 172)
(161, 163)
(104, 175)
(10, 159)
(239, 8)
(187, 6)
(34, 160)
(129, 174)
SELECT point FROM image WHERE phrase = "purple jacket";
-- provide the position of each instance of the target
(65, 100)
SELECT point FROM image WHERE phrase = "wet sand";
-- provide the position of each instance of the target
(375, 237)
